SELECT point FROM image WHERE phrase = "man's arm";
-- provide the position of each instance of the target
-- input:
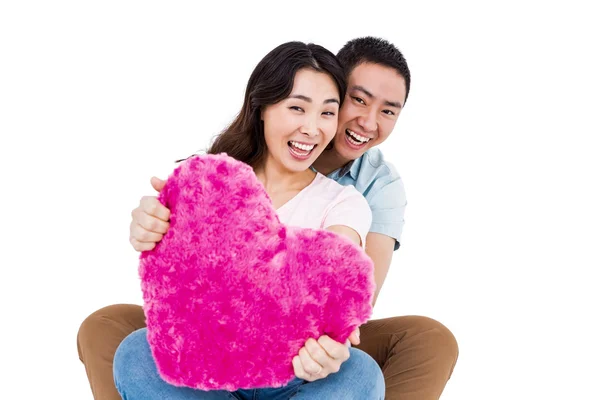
(380, 248)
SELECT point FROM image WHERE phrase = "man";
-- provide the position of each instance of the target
(416, 354)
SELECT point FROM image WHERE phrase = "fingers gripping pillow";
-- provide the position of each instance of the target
(231, 294)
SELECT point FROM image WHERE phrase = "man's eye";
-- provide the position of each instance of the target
(389, 112)
(361, 101)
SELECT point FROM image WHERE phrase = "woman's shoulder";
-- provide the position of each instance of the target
(327, 186)
(337, 192)
(347, 207)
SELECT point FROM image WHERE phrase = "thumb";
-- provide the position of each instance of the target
(157, 183)
(355, 337)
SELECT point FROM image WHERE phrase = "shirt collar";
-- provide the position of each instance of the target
(352, 168)
(355, 167)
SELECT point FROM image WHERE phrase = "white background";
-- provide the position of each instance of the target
(497, 147)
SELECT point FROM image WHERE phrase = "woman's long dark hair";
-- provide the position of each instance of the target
(272, 81)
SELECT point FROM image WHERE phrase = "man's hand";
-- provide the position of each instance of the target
(319, 358)
(149, 221)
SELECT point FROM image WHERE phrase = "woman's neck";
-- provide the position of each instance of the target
(276, 179)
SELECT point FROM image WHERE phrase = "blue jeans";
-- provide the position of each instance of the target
(136, 377)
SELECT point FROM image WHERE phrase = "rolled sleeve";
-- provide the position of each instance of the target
(387, 206)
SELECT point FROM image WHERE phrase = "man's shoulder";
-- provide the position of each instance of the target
(374, 167)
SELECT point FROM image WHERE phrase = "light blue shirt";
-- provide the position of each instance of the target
(381, 185)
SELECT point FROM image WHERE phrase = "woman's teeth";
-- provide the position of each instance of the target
(357, 137)
(304, 147)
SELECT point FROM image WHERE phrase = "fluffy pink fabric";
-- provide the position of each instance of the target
(231, 294)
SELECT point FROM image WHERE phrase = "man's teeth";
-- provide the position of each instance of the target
(358, 137)
(301, 146)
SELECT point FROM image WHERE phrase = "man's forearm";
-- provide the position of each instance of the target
(380, 248)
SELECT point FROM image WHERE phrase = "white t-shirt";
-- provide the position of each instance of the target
(325, 203)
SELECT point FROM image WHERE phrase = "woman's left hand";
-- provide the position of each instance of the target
(319, 358)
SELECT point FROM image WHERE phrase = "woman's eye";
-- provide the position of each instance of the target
(296, 108)
(358, 99)
(329, 113)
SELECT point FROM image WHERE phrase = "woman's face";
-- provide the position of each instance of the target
(298, 128)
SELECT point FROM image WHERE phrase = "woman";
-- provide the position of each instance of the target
(288, 117)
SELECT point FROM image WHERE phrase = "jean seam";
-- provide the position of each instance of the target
(296, 392)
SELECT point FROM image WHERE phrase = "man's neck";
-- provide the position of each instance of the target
(329, 161)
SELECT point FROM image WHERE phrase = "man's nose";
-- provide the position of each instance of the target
(368, 121)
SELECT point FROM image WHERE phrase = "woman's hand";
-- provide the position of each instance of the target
(319, 358)
(149, 221)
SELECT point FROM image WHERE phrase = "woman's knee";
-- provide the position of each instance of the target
(132, 358)
(369, 375)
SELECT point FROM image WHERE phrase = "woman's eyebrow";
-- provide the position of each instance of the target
(301, 97)
(309, 100)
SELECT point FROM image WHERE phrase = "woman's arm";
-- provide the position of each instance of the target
(318, 359)
(349, 216)
(347, 232)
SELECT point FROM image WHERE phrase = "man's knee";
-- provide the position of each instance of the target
(439, 332)
(108, 324)
(437, 337)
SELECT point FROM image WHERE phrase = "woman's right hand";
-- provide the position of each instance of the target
(322, 357)
(149, 221)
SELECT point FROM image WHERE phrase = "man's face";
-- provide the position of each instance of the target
(373, 102)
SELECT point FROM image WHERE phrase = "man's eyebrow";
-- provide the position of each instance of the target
(393, 104)
(370, 95)
(309, 100)
(362, 89)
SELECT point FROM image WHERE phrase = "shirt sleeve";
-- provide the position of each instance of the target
(387, 206)
(352, 210)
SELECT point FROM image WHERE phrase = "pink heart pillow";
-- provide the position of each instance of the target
(231, 294)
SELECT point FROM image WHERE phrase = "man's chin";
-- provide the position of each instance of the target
(349, 153)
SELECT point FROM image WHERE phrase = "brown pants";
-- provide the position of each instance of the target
(416, 354)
